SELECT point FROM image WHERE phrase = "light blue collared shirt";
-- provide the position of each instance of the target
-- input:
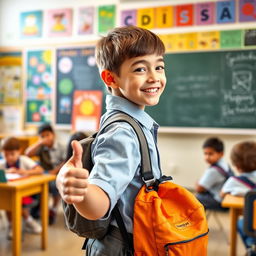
(116, 157)
(213, 181)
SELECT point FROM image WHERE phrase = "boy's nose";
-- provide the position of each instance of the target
(153, 77)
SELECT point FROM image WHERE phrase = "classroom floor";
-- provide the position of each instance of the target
(65, 243)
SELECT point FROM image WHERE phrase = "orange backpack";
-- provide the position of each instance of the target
(168, 219)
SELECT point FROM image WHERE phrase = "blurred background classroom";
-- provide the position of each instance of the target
(48, 74)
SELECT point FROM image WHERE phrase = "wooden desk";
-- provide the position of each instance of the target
(236, 205)
(11, 200)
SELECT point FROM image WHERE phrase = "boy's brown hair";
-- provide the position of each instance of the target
(243, 156)
(123, 43)
(11, 143)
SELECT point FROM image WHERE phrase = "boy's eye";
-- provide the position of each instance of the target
(141, 69)
(159, 67)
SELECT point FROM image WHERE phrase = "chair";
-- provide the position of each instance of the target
(250, 219)
(215, 214)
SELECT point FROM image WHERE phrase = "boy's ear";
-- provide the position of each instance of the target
(108, 78)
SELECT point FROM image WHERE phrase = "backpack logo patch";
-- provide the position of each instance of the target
(183, 225)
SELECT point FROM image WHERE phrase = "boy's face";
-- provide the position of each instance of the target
(47, 138)
(142, 80)
(11, 156)
(211, 156)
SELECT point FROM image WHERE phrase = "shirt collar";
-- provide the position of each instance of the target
(116, 103)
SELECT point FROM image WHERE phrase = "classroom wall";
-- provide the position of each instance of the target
(181, 153)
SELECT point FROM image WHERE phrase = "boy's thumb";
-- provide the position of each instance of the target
(76, 158)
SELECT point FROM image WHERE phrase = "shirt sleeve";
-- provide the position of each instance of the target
(27, 163)
(234, 187)
(210, 178)
(116, 159)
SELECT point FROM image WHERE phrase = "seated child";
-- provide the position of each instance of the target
(51, 155)
(210, 184)
(243, 157)
(14, 162)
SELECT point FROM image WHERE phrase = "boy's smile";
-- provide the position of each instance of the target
(141, 80)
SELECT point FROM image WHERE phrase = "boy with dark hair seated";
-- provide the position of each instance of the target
(51, 155)
(209, 185)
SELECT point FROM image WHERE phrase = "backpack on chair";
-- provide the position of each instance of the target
(168, 219)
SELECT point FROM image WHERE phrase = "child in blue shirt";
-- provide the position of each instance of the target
(131, 64)
(243, 157)
(209, 185)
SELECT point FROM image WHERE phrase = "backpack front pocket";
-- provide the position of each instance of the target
(189, 247)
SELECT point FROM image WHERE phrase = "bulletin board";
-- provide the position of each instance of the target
(38, 85)
(76, 70)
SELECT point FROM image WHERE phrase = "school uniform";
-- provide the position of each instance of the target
(49, 158)
(236, 187)
(212, 180)
(116, 169)
(25, 163)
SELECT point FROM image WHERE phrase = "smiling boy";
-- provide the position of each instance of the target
(131, 64)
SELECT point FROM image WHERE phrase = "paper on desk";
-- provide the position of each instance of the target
(13, 176)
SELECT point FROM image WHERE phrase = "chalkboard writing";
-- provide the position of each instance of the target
(209, 89)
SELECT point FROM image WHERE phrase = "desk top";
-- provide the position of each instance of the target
(230, 201)
(27, 181)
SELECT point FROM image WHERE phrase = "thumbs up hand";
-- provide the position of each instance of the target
(72, 178)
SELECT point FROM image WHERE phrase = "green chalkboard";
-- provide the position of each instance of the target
(209, 89)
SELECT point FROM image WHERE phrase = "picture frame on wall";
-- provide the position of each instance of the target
(85, 20)
(59, 22)
(31, 24)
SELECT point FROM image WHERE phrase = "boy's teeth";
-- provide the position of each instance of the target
(151, 90)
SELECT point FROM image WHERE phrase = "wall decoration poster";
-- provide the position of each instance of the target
(146, 18)
(170, 42)
(250, 37)
(85, 20)
(247, 10)
(205, 13)
(31, 24)
(12, 119)
(225, 11)
(10, 78)
(87, 108)
(231, 39)
(76, 70)
(128, 17)
(106, 18)
(39, 83)
(59, 22)
(208, 40)
(184, 15)
(164, 17)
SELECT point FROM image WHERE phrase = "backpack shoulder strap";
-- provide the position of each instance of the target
(247, 182)
(146, 167)
(227, 174)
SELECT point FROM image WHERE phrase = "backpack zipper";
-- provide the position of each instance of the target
(182, 242)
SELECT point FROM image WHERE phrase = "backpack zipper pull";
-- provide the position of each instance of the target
(166, 251)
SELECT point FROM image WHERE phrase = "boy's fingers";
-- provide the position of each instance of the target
(78, 173)
(76, 158)
(73, 199)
